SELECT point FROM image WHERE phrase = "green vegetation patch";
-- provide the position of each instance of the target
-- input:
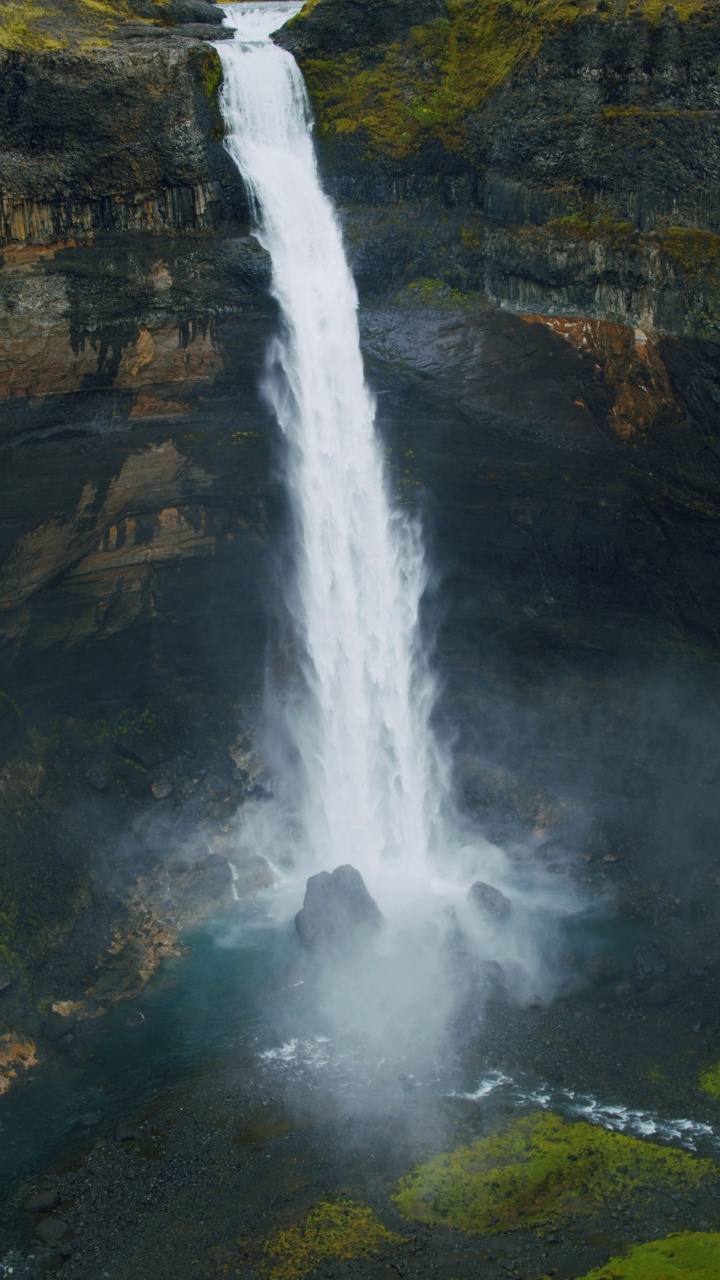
(691, 1255)
(539, 1169)
(427, 86)
(710, 1084)
(63, 24)
(342, 1230)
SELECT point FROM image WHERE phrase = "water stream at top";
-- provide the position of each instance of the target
(371, 786)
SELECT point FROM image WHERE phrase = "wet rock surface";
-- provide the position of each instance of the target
(338, 912)
(489, 901)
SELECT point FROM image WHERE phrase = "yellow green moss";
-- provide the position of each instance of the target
(697, 252)
(690, 1255)
(539, 1169)
(58, 24)
(342, 1230)
(710, 1084)
(592, 226)
(430, 293)
(428, 85)
(208, 70)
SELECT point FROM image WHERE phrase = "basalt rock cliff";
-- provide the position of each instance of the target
(109, 121)
(562, 156)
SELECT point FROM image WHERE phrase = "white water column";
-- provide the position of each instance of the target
(370, 783)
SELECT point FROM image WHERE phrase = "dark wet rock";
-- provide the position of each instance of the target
(128, 1133)
(99, 776)
(89, 1120)
(43, 1201)
(338, 912)
(5, 978)
(201, 31)
(141, 31)
(493, 975)
(56, 1028)
(52, 1230)
(182, 12)
(648, 962)
(144, 748)
(489, 901)
(660, 994)
(602, 968)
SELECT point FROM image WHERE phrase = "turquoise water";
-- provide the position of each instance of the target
(211, 1004)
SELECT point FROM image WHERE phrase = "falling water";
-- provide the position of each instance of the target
(371, 786)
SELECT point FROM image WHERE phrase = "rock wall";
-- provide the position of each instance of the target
(123, 137)
(563, 160)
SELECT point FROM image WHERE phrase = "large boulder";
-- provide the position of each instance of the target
(489, 901)
(338, 912)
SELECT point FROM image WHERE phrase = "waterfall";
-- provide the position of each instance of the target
(371, 786)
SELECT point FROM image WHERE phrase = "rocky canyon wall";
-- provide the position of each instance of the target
(561, 157)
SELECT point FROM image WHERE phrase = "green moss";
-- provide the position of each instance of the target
(690, 1255)
(539, 1169)
(591, 226)
(342, 1230)
(697, 252)
(430, 293)
(710, 1083)
(208, 71)
(427, 86)
(28, 25)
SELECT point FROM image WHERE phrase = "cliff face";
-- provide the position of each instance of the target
(112, 132)
(569, 151)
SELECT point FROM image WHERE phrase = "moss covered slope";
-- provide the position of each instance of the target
(62, 24)
(539, 1170)
(692, 1255)
(428, 82)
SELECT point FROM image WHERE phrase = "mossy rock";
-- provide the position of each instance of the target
(425, 85)
(342, 1230)
(710, 1083)
(539, 1170)
(690, 1255)
(27, 25)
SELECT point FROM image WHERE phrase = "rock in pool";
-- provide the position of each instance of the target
(338, 912)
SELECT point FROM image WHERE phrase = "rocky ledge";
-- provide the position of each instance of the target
(111, 122)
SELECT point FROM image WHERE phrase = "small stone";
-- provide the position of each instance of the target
(161, 788)
(648, 962)
(89, 1120)
(98, 775)
(128, 1133)
(43, 1201)
(52, 1230)
(602, 968)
